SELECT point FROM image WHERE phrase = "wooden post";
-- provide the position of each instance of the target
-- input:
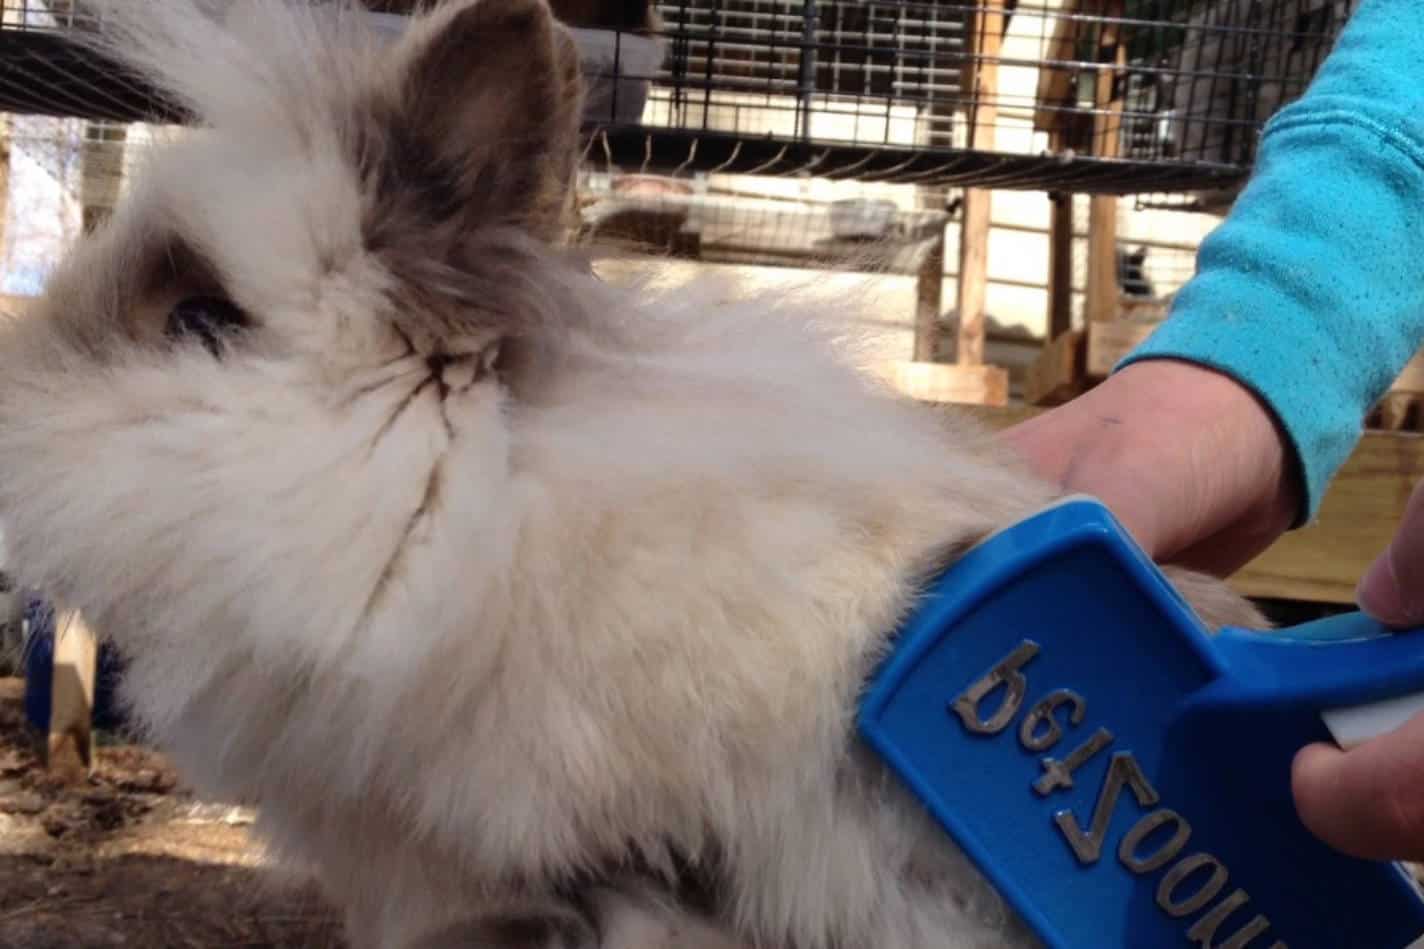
(1057, 374)
(69, 744)
(988, 38)
(1060, 264)
(967, 380)
(929, 296)
(972, 290)
(1102, 215)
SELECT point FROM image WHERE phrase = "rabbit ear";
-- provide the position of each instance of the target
(484, 121)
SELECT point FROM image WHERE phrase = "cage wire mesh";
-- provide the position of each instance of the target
(1156, 254)
(741, 219)
(810, 133)
(1114, 96)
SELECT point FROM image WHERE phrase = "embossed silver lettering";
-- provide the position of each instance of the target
(1059, 774)
(1122, 771)
(1043, 712)
(1181, 871)
(1007, 673)
(1127, 850)
(1203, 931)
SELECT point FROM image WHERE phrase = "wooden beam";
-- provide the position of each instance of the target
(949, 383)
(1057, 374)
(929, 297)
(1109, 341)
(1102, 290)
(69, 746)
(971, 288)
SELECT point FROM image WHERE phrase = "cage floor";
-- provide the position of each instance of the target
(651, 149)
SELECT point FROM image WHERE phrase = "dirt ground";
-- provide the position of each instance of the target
(126, 857)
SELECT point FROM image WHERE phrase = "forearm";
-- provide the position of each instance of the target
(1311, 292)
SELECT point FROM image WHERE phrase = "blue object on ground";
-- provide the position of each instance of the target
(1120, 774)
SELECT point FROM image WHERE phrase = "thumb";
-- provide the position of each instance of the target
(1366, 802)
(1392, 590)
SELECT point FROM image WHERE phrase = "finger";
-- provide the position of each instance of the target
(1369, 801)
(1392, 590)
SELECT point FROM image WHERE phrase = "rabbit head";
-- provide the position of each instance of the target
(506, 594)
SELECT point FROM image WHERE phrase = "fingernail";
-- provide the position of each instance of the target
(1380, 595)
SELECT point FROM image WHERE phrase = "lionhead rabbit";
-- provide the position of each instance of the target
(529, 610)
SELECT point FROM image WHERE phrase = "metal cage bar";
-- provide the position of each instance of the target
(1106, 96)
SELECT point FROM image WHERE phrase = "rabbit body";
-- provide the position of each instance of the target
(529, 610)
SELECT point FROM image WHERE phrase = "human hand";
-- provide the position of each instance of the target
(1369, 801)
(1189, 460)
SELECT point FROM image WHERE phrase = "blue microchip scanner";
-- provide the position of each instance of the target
(1121, 774)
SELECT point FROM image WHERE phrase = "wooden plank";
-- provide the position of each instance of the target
(69, 748)
(1108, 342)
(1057, 374)
(1142, 309)
(946, 382)
(1358, 516)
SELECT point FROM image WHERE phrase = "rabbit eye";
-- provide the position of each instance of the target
(206, 319)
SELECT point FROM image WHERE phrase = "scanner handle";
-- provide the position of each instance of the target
(1365, 678)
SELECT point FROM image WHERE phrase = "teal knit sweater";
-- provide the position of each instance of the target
(1311, 291)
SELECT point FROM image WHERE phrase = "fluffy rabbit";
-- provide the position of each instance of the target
(530, 611)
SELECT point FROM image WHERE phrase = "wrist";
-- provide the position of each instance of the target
(1181, 452)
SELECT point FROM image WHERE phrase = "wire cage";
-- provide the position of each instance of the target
(1108, 96)
(1086, 95)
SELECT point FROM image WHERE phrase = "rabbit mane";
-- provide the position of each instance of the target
(491, 584)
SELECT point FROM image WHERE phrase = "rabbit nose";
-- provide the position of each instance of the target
(455, 373)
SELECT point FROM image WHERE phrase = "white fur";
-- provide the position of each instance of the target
(634, 617)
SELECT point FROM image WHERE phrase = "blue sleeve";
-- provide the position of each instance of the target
(1311, 290)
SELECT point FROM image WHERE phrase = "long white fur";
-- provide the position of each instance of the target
(636, 620)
